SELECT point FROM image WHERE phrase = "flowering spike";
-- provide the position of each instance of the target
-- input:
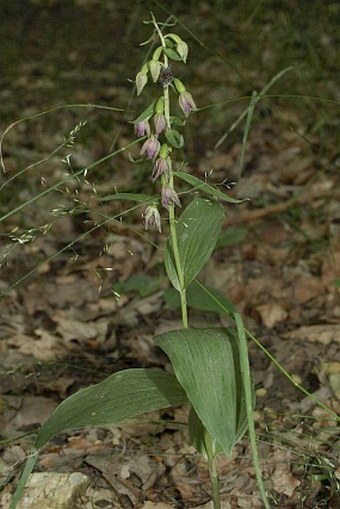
(152, 218)
(169, 197)
(151, 147)
(161, 166)
(159, 122)
(186, 103)
(142, 128)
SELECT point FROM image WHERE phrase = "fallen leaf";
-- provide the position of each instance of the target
(283, 481)
(316, 334)
(271, 314)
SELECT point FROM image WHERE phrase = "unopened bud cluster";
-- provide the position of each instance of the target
(155, 121)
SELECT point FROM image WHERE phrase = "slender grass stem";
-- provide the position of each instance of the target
(244, 360)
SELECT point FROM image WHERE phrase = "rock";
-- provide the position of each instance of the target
(52, 490)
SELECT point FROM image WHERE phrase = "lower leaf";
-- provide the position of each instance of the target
(207, 365)
(119, 397)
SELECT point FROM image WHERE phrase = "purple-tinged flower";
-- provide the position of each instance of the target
(142, 128)
(186, 103)
(169, 197)
(161, 166)
(151, 147)
(159, 121)
(152, 218)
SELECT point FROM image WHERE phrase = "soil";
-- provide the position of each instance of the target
(71, 312)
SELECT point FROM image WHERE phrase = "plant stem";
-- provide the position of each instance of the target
(215, 487)
(245, 369)
(172, 219)
(173, 235)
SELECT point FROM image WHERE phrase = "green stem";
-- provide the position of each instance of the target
(245, 369)
(215, 485)
(174, 242)
(172, 219)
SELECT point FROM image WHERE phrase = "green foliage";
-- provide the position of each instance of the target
(136, 197)
(231, 236)
(197, 231)
(119, 397)
(201, 297)
(174, 138)
(207, 364)
(141, 283)
(205, 188)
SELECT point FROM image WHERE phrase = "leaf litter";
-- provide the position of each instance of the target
(64, 327)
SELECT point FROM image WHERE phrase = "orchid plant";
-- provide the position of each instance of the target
(210, 365)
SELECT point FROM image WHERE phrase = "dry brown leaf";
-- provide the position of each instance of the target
(20, 412)
(283, 481)
(71, 329)
(306, 288)
(44, 348)
(324, 334)
(271, 314)
(156, 505)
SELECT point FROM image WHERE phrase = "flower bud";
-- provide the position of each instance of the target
(142, 128)
(155, 69)
(187, 103)
(151, 147)
(181, 46)
(141, 80)
(159, 122)
(182, 50)
(152, 218)
(161, 166)
(169, 197)
(159, 108)
(179, 85)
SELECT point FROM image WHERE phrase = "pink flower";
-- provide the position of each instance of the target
(152, 218)
(161, 166)
(142, 128)
(169, 197)
(186, 103)
(151, 147)
(159, 122)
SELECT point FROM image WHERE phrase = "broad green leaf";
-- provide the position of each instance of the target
(174, 138)
(231, 236)
(146, 113)
(172, 54)
(207, 365)
(205, 188)
(202, 297)
(197, 231)
(119, 397)
(139, 198)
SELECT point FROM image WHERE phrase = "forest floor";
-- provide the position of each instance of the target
(62, 324)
